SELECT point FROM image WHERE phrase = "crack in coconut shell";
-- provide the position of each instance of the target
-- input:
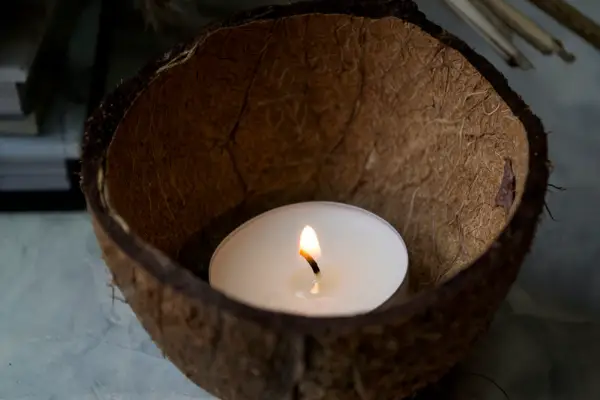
(506, 194)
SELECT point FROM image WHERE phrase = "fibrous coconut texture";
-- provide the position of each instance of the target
(366, 103)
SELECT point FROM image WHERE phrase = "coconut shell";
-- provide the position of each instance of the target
(363, 102)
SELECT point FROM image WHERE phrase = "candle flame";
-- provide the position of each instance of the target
(309, 242)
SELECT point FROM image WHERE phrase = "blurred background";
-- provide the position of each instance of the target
(63, 337)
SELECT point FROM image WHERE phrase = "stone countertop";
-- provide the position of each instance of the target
(63, 337)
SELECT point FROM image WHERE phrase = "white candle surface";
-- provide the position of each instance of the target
(362, 260)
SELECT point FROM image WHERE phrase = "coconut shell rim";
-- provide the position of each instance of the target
(104, 121)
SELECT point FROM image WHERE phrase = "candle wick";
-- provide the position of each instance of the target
(311, 261)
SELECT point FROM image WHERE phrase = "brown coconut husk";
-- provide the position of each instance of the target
(366, 103)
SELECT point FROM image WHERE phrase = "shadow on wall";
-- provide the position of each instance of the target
(187, 16)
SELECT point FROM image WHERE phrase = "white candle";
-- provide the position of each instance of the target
(362, 260)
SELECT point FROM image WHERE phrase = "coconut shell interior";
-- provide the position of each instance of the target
(370, 112)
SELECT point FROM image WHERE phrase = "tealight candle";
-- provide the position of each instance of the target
(313, 259)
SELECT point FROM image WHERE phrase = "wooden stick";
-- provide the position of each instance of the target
(499, 40)
(571, 18)
(529, 30)
(493, 18)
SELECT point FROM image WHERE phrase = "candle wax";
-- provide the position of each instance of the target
(363, 261)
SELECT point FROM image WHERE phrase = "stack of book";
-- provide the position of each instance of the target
(22, 96)
(43, 103)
